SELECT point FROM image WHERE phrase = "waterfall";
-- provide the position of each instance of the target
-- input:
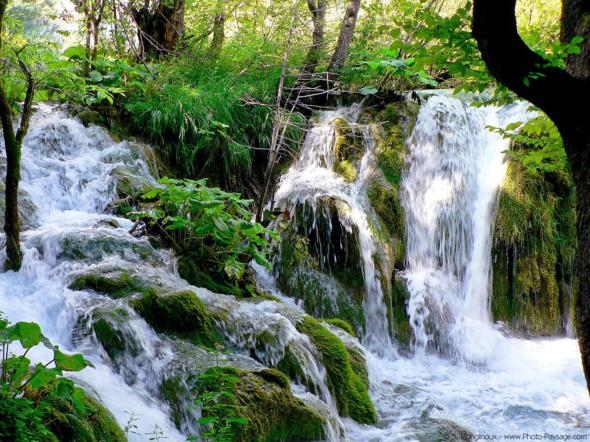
(510, 385)
(312, 182)
(450, 188)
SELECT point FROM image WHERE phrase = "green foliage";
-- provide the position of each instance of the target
(200, 117)
(539, 146)
(31, 397)
(219, 406)
(350, 393)
(211, 224)
(256, 406)
(427, 47)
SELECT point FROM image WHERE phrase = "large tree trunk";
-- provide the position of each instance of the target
(575, 20)
(345, 38)
(555, 92)
(159, 31)
(318, 17)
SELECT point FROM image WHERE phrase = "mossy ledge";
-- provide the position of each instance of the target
(180, 313)
(349, 390)
(119, 285)
(264, 398)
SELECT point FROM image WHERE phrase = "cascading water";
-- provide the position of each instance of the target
(312, 182)
(450, 189)
(70, 176)
(67, 182)
(69, 179)
(484, 384)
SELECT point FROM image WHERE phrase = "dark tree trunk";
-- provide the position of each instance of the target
(555, 92)
(345, 38)
(159, 31)
(318, 17)
(575, 20)
(13, 143)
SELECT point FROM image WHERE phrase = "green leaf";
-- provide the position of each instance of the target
(368, 90)
(75, 52)
(95, 76)
(75, 362)
(27, 333)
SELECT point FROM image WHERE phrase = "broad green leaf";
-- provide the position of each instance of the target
(27, 333)
(75, 52)
(75, 362)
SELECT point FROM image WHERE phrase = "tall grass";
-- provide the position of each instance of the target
(200, 114)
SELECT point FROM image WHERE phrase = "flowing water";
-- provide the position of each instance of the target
(312, 182)
(462, 370)
(464, 375)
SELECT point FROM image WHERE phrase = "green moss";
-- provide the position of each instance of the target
(534, 243)
(350, 393)
(348, 150)
(331, 292)
(110, 326)
(265, 400)
(291, 367)
(115, 286)
(181, 313)
(342, 324)
(96, 424)
(399, 298)
(386, 202)
(173, 390)
(346, 169)
(110, 338)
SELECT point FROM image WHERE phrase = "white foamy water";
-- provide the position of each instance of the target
(312, 182)
(67, 173)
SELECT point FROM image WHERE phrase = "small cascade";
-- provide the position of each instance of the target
(311, 190)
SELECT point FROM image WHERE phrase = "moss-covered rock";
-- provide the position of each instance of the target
(96, 424)
(399, 300)
(386, 202)
(181, 313)
(348, 150)
(93, 245)
(341, 324)
(110, 327)
(116, 285)
(349, 390)
(534, 242)
(263, 398)
(320, 264)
